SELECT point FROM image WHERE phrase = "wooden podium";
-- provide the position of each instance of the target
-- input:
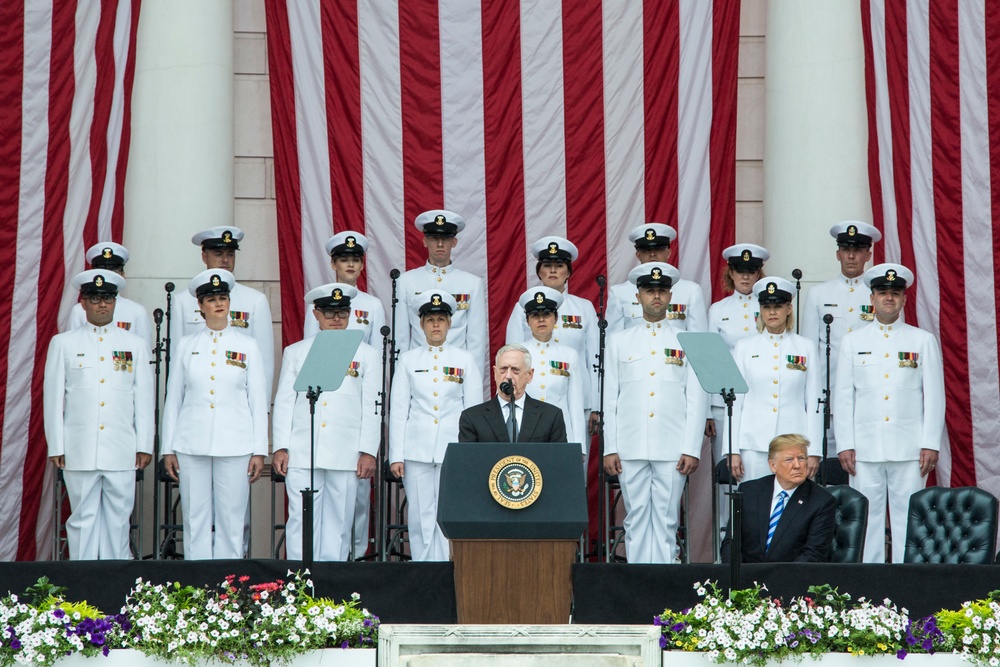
(512, 566)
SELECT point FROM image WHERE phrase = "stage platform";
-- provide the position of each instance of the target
(602, 593)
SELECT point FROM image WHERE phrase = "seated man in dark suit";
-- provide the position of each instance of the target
(786, 517)
(532, 421)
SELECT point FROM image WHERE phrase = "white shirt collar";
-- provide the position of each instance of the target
(519, 402)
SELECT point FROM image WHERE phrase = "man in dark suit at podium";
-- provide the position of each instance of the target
(786, 517)
(531, 421)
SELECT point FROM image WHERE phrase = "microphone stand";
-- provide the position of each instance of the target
(162, 477)
(827, 413)
(735, 504)
(383, 450)
(602, 520)
(157, 361)
(307, 494)
(386, 477)
(169, 287)
(393, 352)
(797, 274)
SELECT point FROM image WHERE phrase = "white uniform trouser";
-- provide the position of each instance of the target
(214, 490)
(333, 512)
(362, 511)
(899, 480)
(101, 504)
(754, 465)
(652, 493)
(421, 482)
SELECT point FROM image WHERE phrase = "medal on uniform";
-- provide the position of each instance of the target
(677, 311)
(572, 322)
(673, 357)
(462, 300)
(353, 369)
(559, 368)
(362, 316)
(908, 359)
(795, 363)
(239, 318)
(236, 359)
(127, 326)
(452, 374)
(128, 360)
(117, 358)
(867, 313)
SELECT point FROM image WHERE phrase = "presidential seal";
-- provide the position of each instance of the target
(515, 482)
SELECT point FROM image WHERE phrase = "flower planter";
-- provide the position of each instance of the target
(332, 657)
(692, 659)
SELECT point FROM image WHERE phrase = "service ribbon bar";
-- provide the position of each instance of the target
(796, 363)
(236, 358)
(239, 318)
(125, 325)
(677, 311)
(559, 368)
(462, 300)
(352, 370)
(362, 316)
(572, 322)
(452, 374)
(672, 356)
(908, 359)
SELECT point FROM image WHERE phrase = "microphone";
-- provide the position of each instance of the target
(507, 388)
(169, 287)
(158, 316)
(828, 319)
(601, 280)
(394, 274)
(797, 274)
(384, 330)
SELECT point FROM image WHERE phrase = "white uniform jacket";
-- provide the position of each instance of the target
(216, 399)
(784, 389)
(346, 420)
(248, 311)
(558, 381)
(654, 407)
(889, 393)
(733, 318)
(468, 323)
(98, 398)
(367, 315)
(576, 327)
(129, 315)
(431, 387)
(687, 311)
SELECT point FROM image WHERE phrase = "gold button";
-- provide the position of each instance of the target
(543, 374)
(651, 393)
(775, 356)
(774, 381)
(887, 375)
(435, 379)
(542, 399)
(851, 289)
(435, 407)
(102, 404)
(439, 278)
(746, 328)
(100, 339)
(745, 305)
(652, 372)
(776, 345)
(849, 329)
(886, 355)
(102, 427)
(324, 404)
(652, 351)
(213, 363)
(212, 391)
(886, 397)
(81, 365)
(543, 351)
(650, 414)
(850, 310)
(435, 421)
(887, 419)
(775, 368)
(775, 395)
(211, 405)
(435, 368)
(435, 393)
(885, 336)
(542, 387)
(102, 358)
(323, 425)
(774, 409)
(102, 380)
(214, 351)
(435, 356)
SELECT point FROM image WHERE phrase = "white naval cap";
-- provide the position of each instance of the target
(746, 257)
(439, 222)
(855, 233)
(774, 289)
(434, 301)
(888, 275)
(541, 299)
(107, 255)
(331, 296)
(218, 238)
(98, 281)
(654, 274)
(211, 281)
(652, 235)
(554, 248)
(347, 243)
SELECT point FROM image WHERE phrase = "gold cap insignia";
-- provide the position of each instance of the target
(107, 254)
(439, 220)
(553, 248)
(771, 288)
(338, 294)
(436, 300)
(350, 242)
(890, 275)
(650, 234)
(656, 274)
(851, 230)
(746, 255)
(227, 236)
(99, 281)
(216, 281)
(539, 297)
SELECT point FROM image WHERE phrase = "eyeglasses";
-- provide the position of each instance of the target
(95, 299)
(336, 314)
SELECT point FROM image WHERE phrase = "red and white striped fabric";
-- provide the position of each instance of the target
(581, 118)
(64, 118)
(933, 88)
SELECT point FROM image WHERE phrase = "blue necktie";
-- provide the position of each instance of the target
(775, 517)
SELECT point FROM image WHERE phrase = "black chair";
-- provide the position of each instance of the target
(951, 526)
(851, 524)
(832, 473)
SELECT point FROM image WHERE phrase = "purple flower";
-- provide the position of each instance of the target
(106, 650)
(58, 613)
(663, 642)
(15, 644)
(344, 644)
(657, 620)
(677, 627)
(901, 653)
(794, 643)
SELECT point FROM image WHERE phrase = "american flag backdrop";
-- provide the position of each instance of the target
(64, 134)
(581, 118)
(933, 89)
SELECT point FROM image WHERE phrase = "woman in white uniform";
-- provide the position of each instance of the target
(782, 371)
(432, 385)
(558, 378)
(215, 423)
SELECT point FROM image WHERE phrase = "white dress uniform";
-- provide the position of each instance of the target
(129, 316)
(890, 404)
(558, 381)
(780, 370)
(733, 317)
(654, 414)
(98, 405)
(576, 327)
(214, 419)
(686, 312)
(367, 315)
(347, 425)
(248, 311)
(431, 387)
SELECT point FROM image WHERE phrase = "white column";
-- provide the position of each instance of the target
(815, 133)
(180, 172)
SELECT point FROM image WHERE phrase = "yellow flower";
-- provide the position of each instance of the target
(882, 647)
